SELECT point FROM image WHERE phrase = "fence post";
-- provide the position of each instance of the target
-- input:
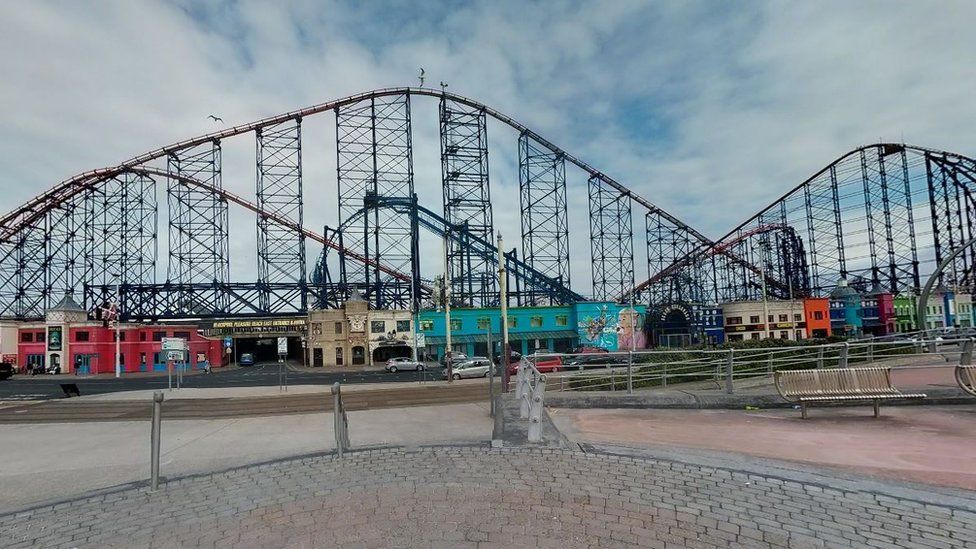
(820, 357)
(871, 350)
(535, 413)
(769, 364)
(630, 372)
(842, 359)
(154, 435)
(966, 359)
(664, 375)
(729, 360)
(339, 421)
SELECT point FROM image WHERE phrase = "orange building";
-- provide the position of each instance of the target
(816, 311)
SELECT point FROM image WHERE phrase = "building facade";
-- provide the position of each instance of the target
(66, 339)
(878, 313)
(355, 335)
(772, 319)
(845, 311)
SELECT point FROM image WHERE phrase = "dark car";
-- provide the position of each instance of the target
(595, 360)
(247, 359)
(6, 370)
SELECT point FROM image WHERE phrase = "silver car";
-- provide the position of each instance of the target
(403, 363)
(477, 367)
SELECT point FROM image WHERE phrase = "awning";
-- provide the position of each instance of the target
(512, 336)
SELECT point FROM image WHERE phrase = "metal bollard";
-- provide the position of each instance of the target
(842, 359)
(966, 359)
(729, 362)
(337, 414)
(154, 438)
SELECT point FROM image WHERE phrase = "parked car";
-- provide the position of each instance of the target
(588, 350)
(594, 360)
(456, 358)
(403, 363)
(477, 367)
(6, 370)
(545, 364)
(247, 359)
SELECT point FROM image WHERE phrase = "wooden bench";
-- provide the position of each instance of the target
(838, 385)
(966, 378)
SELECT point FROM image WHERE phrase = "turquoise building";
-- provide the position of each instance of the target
(846, 311)
(556, 328)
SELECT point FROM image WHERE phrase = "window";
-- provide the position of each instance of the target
(784, 335)
(535, 322)
(562, 320)
(455, 324)
(783, 318)
(120, 335)
(754, 319)
(770, 319)
(403, 325)
(142, 336)
(338, 327)
(158, 336)
(27, 337)
(426, 325)
(40, 337)
(483, 323)
(512, 322)
(818, 315)
(754, 335)
(797, 317)
(377, 327)
(81, 336)
(182, 335)
(798, 335)
(733, 320)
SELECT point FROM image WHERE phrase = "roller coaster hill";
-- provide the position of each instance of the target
(880, 217)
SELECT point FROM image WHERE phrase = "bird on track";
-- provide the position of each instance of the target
(422, 73)
(215, 118)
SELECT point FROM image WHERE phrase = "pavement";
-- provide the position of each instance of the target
(477, 497)
(927, 444)
(40, 462)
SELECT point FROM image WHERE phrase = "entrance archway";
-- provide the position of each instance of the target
(385, 352)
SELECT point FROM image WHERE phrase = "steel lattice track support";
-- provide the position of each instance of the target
(611, 240)
(198, 234)
(952, 205)
(467, 200)
(281, 251)
(120, 235)
(545, 230)
(24, 271)
(666, 244)
(375, 157)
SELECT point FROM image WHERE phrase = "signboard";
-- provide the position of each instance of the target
(54, 338)
(174, 344)
(282, 345)
(255, 326)
(421, 340)
(12, 358)
(228, 342)
(175, 356)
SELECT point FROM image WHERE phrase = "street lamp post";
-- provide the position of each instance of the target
(447, 317)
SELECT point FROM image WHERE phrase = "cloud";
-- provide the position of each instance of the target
(708, 110)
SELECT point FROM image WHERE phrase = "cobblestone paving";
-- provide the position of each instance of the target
(478, 497)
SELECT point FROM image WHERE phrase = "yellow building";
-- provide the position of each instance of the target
(355, 335)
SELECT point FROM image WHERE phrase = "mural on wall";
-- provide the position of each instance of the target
(611, 326)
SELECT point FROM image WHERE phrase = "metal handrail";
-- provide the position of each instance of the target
(530, 390)
(340, 421)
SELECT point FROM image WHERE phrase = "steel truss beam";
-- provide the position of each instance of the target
(611, 240)
(375, 157)
(545, 229)
(467, 200)
(952, 205)
(281, 250)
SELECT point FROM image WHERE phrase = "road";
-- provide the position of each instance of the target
(47, 387)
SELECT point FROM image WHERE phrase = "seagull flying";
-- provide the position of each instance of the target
(422, 73)
(215, 118)
(443, 86)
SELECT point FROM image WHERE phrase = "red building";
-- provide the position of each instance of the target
(66, 338)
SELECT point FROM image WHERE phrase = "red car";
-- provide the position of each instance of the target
(544, 363)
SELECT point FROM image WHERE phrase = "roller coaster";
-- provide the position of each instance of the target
(880, 216)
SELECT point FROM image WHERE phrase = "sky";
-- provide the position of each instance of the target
(709, 110)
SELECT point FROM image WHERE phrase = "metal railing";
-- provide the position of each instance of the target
(340, 420)
(530, 391)
(727, 368)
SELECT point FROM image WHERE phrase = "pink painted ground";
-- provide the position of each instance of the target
(928, 444)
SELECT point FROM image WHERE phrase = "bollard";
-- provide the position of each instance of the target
(966, 359)
(842, 359)
(154, 438)
(729, 361)
(336, 417)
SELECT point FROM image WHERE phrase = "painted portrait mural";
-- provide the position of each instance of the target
(611, 326)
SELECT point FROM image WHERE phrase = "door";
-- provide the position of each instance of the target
(358, 355)
(338, 356)
(317, 356)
